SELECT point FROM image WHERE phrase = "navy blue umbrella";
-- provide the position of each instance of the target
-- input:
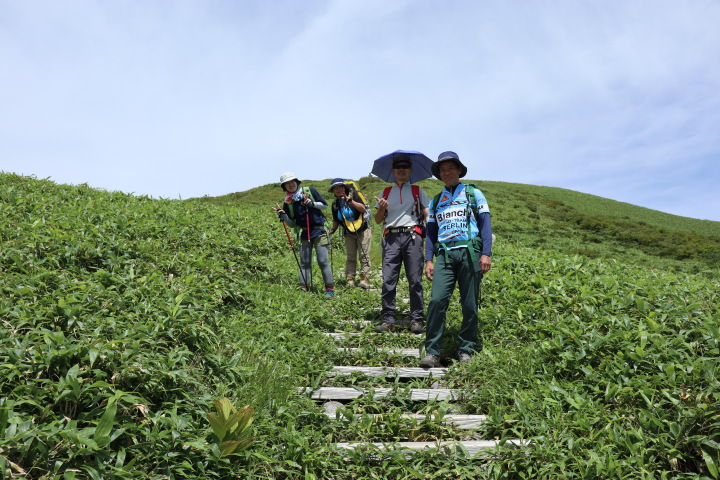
(421, 165)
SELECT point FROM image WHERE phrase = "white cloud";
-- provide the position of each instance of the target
(192, 98)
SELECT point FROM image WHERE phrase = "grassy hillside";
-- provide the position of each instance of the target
(562, 220)
(122, 318)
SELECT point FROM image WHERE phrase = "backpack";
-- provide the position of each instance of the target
(354, 188)
(422, 223)
(361, 222)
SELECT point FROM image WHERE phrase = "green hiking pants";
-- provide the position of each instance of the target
(457, 268)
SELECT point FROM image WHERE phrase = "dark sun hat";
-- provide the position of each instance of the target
(448, 157)
(335, 183)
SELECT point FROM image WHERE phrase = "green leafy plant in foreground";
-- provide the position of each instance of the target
(231, 426)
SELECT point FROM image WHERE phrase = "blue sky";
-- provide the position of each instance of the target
(188, 98)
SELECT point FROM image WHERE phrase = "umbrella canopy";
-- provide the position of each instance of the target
(421, 165)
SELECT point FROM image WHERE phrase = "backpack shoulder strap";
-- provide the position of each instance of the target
(309, 193)
(416, 197)
(386, 192)
(470, 192)
(435, 201)
(472, 201)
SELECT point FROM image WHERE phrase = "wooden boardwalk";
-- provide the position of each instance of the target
(331, 395)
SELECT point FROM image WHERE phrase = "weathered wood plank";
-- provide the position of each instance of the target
(473, 447)
(342, 335)
(408, 352)
(346, 393)
(461, 422)
(346, 335)
(400, 372)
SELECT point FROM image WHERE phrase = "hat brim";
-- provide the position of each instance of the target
(436, 167)
(282, 185)
(330, 190)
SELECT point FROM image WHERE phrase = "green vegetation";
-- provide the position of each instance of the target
(124, 319)
(561, 220)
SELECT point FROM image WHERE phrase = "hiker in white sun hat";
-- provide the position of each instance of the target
(302, 209)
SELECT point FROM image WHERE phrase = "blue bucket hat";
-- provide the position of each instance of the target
(448, 157)
(335, 183)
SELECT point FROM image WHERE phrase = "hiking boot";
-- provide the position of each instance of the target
(416, 327)
(364, 283)
(305, 288)
(430, 361)
(329, 294)
(384, 327)
(350, 281)
(464, 357)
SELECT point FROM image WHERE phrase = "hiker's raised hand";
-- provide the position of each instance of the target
(382, 203)
(278, 210)
(308, 202)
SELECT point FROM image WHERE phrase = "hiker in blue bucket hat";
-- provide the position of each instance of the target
(350, 211)
(459, 235)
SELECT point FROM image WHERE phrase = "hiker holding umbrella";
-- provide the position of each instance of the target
(302, 210)
(402, 208)
(349, 212)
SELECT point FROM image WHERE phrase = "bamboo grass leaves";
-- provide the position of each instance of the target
(231, 426)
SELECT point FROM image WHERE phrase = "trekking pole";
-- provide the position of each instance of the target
(310, 245)
(361, 250)
(292, 247)
(330, 240)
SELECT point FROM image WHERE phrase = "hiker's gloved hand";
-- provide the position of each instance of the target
(308, 202)
(279, 211)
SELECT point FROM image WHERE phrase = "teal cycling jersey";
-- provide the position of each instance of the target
(452, 214)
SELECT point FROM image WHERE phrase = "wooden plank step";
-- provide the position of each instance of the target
(346, 335)
(400, 372)
(347, 393)
(461, 422)
(408, 352)
(473, 447)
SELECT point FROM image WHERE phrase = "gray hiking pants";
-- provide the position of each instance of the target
(402, 249)
(321, 252)
(358, 243)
